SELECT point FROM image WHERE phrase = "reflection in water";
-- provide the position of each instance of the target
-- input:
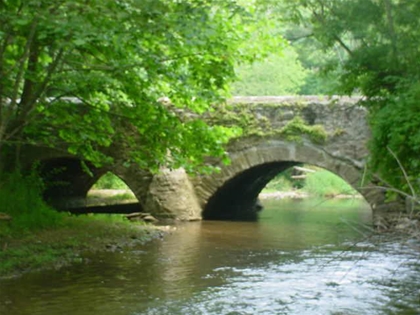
(300, 258)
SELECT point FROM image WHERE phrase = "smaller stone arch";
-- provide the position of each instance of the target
(113, 187)
(67, 180)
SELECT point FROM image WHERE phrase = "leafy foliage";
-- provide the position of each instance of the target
(276, 75)
(83, 75)
(110, 181)
(379, 39)
(292, 22)
(21, 198)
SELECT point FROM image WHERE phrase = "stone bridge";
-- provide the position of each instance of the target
(278, 133)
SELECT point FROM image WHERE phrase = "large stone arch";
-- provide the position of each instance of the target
(233, 192)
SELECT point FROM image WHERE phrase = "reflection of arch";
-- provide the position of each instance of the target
(67, 180)
(235, 189)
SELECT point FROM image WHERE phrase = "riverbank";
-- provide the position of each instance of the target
(66, 244)
(298, 194)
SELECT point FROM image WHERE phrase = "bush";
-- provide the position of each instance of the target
(21, 198)
(325, 183)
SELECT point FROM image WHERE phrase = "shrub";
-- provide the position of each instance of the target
(325, 183)
(21, 198)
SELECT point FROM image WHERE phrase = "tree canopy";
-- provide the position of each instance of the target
(275, 75)
(377, 41)
(74, 71)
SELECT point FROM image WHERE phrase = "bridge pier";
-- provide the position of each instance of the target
(168, 194)
(172, 195)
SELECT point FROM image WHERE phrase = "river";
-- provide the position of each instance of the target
(301, 257)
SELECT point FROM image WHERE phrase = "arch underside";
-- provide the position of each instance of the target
(238, 197)
(233, 194)
(67, 181)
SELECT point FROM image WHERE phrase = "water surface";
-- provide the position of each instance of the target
(300, 258)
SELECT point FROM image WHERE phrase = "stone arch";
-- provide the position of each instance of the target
(67, 181)
(116, 186)
(112, 173)
(233, 192)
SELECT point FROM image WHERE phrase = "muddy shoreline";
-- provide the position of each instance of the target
(63, 246)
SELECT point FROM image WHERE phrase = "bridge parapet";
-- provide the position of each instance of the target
(338, 124)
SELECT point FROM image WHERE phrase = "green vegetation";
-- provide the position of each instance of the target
(321, 183)
(279, 183)
(77, 73)
(87, 76)
(297, 127)
(38, 236)
(53, 248)
(326, 184)
(372, 51)
(110, 181)
(242, 115)
(21, 198)
(275, 75)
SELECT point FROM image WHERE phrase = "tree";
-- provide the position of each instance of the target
(275, 75)
(75, 71)
(380, 40)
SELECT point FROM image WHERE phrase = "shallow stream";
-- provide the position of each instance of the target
(301, 257)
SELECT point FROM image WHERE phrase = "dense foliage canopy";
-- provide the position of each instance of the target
(77, 71)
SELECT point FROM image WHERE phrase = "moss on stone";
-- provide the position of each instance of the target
(296, 128)
(253, 123)
(338, 132)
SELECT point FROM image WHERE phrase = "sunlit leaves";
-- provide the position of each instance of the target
(275, 75)
(89, 75)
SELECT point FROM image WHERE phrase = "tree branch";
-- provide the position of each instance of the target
(25, 56)
(40, 89)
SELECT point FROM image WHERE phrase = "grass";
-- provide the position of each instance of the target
(279, 183)
(40, 237)
(326, 184)
(321, 183)
(53, 248)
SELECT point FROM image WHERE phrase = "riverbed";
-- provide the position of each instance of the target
(301, 257)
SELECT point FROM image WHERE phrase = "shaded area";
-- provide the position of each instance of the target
(67, 181)
(237, 199)
(109, 209)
